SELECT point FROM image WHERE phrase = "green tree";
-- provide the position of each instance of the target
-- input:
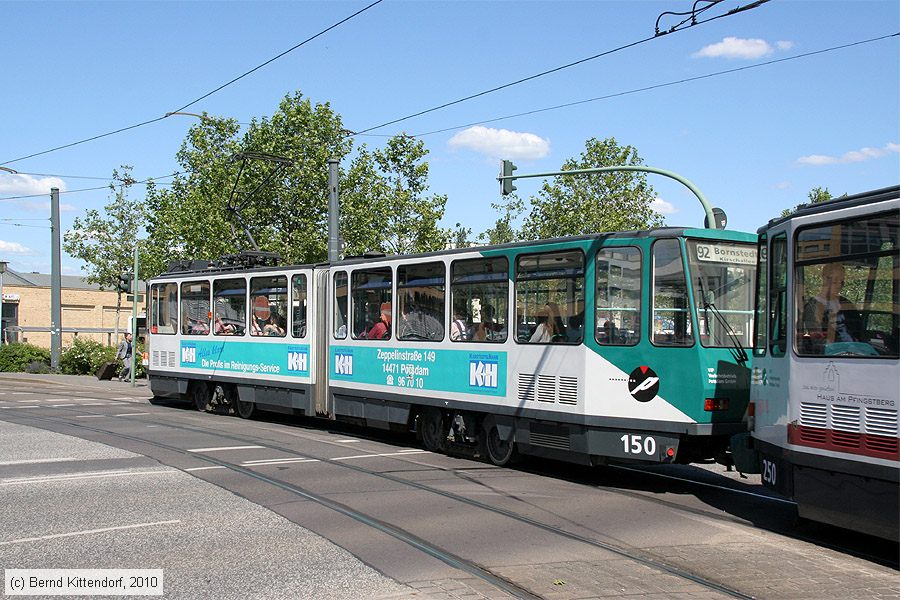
(383, 201)
(815, 196)
(105, 242)
(460, 236)
(503, 231)
(582, 204)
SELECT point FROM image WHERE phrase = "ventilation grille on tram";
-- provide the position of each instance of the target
(535, 387)
(162, 358)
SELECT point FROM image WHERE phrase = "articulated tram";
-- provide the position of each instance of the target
(826, 376)
(618, 347)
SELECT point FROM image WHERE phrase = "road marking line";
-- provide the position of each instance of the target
(414, 451)
(60, 405)
(347, 441)
(97, 404)
(277, 461)
(29, 406)
(24, 401)
(35, 461)
(77, 476)
(90, 416)
(130, 414)
(88, 531)
(192, 469)
(21, 393)
(220, 448)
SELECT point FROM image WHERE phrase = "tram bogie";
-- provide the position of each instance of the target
(624, 347)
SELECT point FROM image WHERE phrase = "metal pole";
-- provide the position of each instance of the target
(334, 213)
(2, 331)
(55, 282)
(707, 207)
(134, 303)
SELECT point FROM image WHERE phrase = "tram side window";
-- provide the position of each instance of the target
(846, 299)
(671, 311)
(550, 298)
(778, 297)
(479, 296)
(340, 305)
(230, 306)
(762, 279)
(298, 306)
(618, 296)
(420, 299)
(164, 308)
(195, 308)
(268, 306)
(372, 310)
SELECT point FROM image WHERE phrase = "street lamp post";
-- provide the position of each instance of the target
(2, 330)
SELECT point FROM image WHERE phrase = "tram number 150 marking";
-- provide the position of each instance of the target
(770, 473)
(638, 444)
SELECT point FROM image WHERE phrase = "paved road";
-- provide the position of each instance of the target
(552, 530)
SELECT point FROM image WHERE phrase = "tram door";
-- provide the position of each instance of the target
(320, 316)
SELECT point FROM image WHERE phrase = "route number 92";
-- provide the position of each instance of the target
(638, 444)
(769, 472)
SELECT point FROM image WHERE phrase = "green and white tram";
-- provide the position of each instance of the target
(620, 347)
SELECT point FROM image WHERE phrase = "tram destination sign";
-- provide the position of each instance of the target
(727, 253)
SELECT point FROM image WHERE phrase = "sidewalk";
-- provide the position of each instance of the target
(81, 381)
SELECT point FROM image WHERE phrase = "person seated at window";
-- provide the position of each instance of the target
(272, 326)
(382, 329)
(550, 325)
(223, 328)
(829, 317)
(417, 323)
(574, 332)
(488, 329)
(459, 329)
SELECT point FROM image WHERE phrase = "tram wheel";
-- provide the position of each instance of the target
(200, 396)
(434, 434)
(501, 452)
(243, 409)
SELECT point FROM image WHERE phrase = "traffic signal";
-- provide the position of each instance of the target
(124, 283)
(506, 185)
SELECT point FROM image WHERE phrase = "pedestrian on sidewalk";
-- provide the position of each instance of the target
(124, 352)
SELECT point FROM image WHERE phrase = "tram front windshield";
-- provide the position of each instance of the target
(723, 278)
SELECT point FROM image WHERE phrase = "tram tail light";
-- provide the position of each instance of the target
(751, 409)
(714, 404)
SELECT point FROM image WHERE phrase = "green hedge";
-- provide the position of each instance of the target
(16, 357)
(85, 356)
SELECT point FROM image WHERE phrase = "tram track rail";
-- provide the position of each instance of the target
(394, 531)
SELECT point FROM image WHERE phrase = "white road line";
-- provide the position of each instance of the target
(277, 461)
(21, 393)
(97, 404)
(192, 469)
(123, 398)
(35, 461)
(347, 441)
(60, 405)
(87, 532)
(24, 401)
(220, 448)
(130, 414)
(78, 476)
(414, 451)
(28, 406)
(90, 416)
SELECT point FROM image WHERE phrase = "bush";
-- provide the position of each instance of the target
(84, 357)
(37, 367)
(16, 356)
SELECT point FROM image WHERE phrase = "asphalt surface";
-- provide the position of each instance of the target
(553, 530)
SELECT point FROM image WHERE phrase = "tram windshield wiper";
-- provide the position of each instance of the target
(738, 352)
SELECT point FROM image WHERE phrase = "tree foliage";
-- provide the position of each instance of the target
(583, 204)
(384, 205)
(815, 196)
(503, 231)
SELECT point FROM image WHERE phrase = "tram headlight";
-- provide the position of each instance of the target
(715, 404)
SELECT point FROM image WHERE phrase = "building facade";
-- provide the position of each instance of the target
(87, 311)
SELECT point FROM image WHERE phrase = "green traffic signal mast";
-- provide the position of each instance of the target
(715, 217)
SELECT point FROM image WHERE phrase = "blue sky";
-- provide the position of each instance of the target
(754, 141)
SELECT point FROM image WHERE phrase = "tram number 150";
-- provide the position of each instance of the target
(638, 444)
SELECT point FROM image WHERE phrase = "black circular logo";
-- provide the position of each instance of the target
(643, 384)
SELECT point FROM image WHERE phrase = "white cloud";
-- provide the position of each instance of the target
(744, 48)
(25, 185)
(783, 185)
(663, 207)
(14, 248)
(854, 156)
(501, 143)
